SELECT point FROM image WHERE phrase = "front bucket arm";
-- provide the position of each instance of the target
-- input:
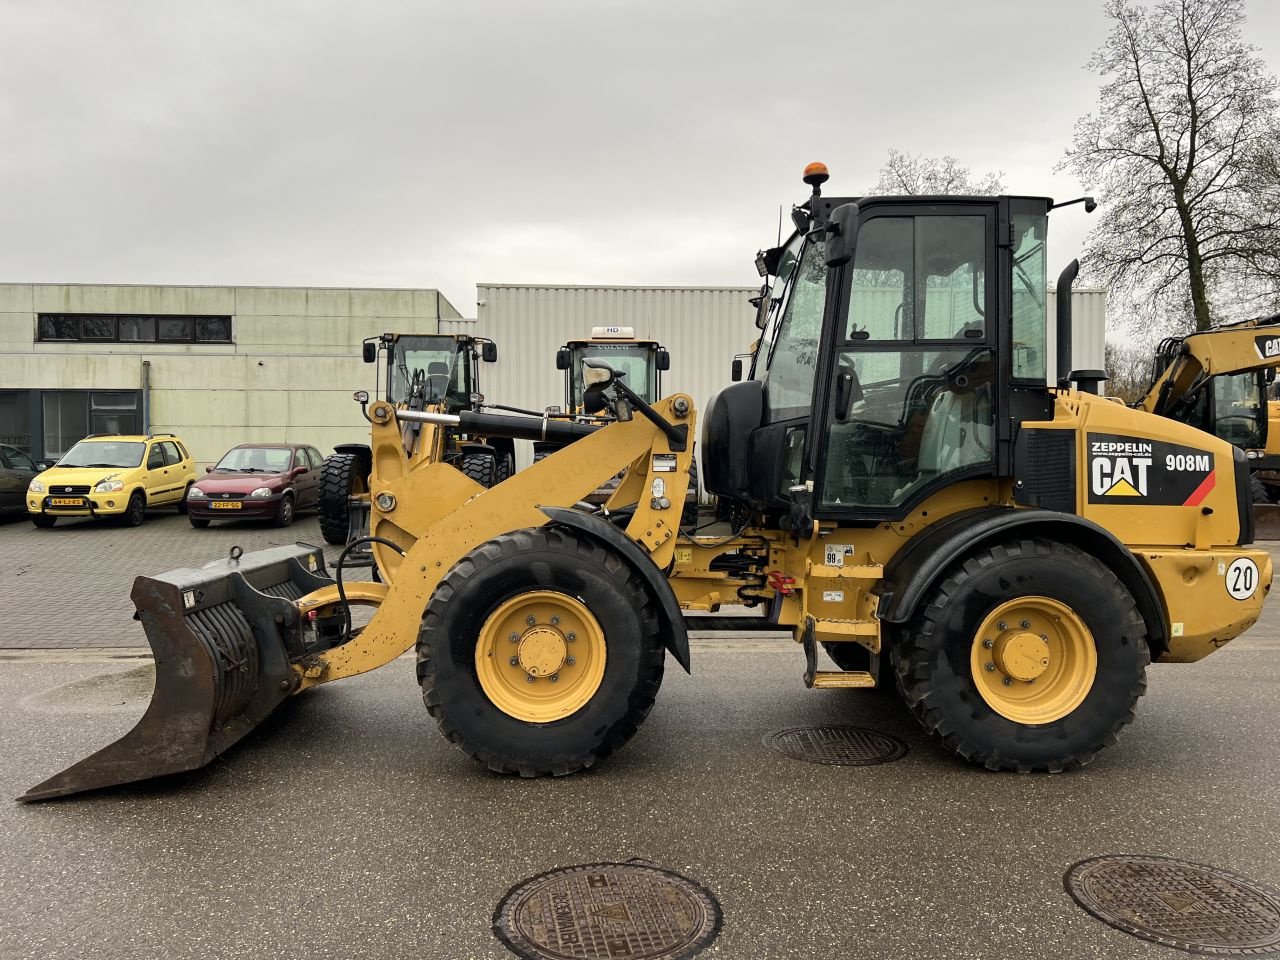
(222, 637)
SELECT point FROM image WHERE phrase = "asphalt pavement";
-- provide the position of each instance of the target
(347, 827)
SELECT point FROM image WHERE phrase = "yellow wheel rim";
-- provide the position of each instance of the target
(1033, 660)
(540, 656)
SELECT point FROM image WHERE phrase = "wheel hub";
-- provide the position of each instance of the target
(1021, 654)
(542, 651)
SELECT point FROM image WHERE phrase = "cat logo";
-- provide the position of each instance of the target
(1267, 346)
(1119, 469)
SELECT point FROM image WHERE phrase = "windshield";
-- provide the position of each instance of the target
(443, 362)
(256, 460)
(633, 360)
(104, 453)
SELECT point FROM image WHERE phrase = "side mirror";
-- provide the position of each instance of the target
(45, 464)
(563, 359)
(489, 351)
(735, 371)
(298, 471)
(370, 351)
(842, 234)
(663, 359)
(209, 469)
(597, 376)
(762, 304)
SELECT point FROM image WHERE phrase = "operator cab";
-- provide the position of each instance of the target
(445, 367)
(640, 362)
(899, 332)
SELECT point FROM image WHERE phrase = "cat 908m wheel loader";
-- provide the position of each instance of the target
(1010, 550)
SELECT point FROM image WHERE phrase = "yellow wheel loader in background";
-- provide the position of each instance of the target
(1220, 380)
(423, 372)
(903, 476)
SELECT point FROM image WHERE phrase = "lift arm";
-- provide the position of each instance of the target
(1190, 362)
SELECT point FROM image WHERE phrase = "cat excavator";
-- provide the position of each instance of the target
(901, 472)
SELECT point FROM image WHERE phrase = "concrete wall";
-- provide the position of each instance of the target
(288, 375)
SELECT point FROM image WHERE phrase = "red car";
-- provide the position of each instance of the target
(257, 481)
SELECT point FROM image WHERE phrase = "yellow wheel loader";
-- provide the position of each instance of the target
(1219, 380)
(423, 372)
(1011, 550)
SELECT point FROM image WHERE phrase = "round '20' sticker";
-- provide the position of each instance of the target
(1242, 578)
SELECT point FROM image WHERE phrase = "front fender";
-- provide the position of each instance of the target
(605, 533)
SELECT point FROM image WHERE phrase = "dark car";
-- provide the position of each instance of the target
(17, 470)
(258, 481)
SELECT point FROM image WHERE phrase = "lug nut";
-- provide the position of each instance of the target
(1044, 637)
(571, 661)
(571, 637)
(1007, 681)
(554, 678)
(1002, 625)
(514, 661)
(529, 678)
(988, 644)
(1024, 624)
(530, 620)
(990, 667)
(554, 621)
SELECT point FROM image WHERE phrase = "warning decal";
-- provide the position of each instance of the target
(1148, 472)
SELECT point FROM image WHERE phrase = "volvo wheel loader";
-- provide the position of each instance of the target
(433, 371)
(1010, 548)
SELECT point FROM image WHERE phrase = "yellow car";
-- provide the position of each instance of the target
(113, 476)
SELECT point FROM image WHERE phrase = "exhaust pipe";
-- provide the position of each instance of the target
(224, 638)
(1065, 280)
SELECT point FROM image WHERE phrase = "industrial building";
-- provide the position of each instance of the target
(226, 365)
(217, 365)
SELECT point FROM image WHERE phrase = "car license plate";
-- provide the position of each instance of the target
(226, 504)
(66, 502)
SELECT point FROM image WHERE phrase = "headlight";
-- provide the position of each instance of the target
(109, 486)
(195, 493)
(262, 492)
(35, 486)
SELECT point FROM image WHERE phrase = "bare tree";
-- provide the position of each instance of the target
(1129, 370)
(904, 174)
(1181, 152)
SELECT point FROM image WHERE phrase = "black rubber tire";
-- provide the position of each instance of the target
(480, 467)
(539, 457)
(284, 513)
(488, 576)
(931, 661)
(43, 521)
(338, 476)
(198, 522)
(1258, 490)
(136, 511)
(182, 504)
(503, 468)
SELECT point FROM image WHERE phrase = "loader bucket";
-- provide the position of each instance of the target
(223, 638)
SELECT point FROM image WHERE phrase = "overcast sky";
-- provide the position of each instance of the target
(442, 144)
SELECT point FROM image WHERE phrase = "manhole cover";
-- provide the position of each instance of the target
(605, 910)
(1179, 904)
(847, 746)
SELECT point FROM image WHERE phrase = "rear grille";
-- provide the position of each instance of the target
(1044, 465)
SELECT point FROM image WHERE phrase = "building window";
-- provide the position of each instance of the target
(132, 328)
(72, 415)
(15, 419)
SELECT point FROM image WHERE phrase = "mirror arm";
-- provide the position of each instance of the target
(677, 434)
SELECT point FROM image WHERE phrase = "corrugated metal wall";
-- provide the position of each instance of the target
(703, 327)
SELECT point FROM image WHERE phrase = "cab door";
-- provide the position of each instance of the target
(907, 391)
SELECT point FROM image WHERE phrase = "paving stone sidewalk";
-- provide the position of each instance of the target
(68, 587)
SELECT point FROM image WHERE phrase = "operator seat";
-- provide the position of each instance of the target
(437, 379)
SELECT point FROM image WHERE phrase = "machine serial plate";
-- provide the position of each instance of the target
(608, 910)
(1184, 905)
(837, 745)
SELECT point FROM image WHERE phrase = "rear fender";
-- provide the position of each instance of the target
(606, 534)
(913, 571)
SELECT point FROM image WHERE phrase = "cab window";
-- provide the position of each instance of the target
(793, 366)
